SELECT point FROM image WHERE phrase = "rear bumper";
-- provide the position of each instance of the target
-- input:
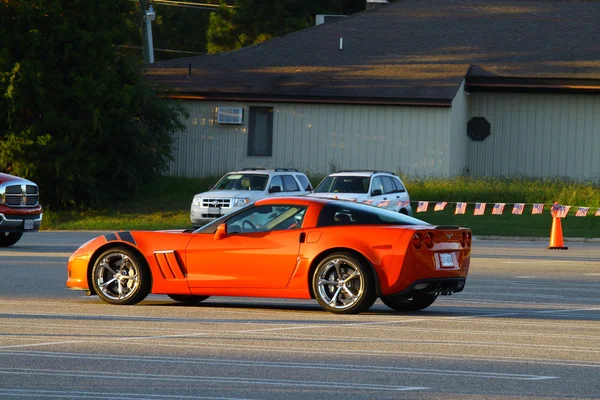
(20, 223)
(444, 286)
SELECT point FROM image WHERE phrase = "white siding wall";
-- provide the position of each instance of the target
(537, 135)
(458, 156)
(316, 138)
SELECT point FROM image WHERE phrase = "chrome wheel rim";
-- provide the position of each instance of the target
(340, 283)
(117, 276)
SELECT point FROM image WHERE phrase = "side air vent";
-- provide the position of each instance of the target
(169, 264)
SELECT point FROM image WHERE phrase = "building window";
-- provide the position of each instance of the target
(260, 131)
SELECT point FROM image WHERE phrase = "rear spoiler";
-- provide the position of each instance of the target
(447, 227)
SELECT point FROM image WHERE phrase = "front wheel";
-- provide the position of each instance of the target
(417, 302)
(342, 283)
(120, 277)
(9, 238)
(186, 298)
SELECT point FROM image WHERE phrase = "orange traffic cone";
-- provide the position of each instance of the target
(556, 236)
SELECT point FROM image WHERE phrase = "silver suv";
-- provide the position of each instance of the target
(236, 189)
(377, 188)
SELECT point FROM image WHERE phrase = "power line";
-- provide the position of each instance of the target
(165, 50)
(187, 4)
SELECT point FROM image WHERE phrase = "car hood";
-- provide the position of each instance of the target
(229, 194)
(9, 178)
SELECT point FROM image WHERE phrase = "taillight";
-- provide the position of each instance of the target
(469, 238)
(463, 239)
(417, 240)
(428, 240)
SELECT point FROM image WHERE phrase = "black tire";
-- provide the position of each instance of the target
(120, 277)
(343, 284)
(417, 302)
(186, 298)
(9, 238)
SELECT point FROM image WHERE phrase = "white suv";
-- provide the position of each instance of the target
(236, 189)
(377, 188)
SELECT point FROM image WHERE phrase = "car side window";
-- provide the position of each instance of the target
(376, 184)
(398, 184)
(304, 182)
(267, 219)
(388, 185)
(276, 181)
(289, 184)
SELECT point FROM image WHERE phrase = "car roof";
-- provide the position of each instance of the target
(300, 200)
(360, 173)
(262, 171)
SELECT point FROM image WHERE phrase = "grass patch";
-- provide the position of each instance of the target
(166, 204)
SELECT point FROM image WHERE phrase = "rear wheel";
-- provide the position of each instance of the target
(417, 302)
(120, 277)
(186, 298)
(343, 284)
(9, 238)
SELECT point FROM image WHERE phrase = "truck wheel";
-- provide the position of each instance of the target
(9, 238)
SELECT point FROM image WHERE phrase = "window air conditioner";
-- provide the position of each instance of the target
(230, 115)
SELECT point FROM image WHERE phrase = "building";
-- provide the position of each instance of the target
(484, 88)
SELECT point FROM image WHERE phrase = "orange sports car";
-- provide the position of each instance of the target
(343, 254)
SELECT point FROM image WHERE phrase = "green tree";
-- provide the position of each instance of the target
(254, 21)
(75, 116)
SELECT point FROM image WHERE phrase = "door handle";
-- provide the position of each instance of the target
(302, 237)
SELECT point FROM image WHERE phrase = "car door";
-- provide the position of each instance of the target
(401, 193)
(376, 192)
(259, 251)
(390, 193)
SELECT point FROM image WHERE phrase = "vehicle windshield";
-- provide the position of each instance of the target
(346, 213)
(242, 182)
(344, 184)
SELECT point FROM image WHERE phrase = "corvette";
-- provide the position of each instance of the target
(343, 254)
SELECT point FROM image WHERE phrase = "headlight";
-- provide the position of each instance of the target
(240, 202)
(197, 201)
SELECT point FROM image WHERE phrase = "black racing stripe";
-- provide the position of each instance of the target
(111, 237)
(127, 237)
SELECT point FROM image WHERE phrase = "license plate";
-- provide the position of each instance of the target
(214, 211)
(447, 260)
(28, 224)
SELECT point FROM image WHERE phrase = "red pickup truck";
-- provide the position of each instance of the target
(20, 210)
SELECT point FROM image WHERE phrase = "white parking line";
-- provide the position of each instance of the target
(130, 376)
(293, 365)
(120, 395)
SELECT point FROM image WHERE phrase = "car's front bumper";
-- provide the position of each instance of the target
(203, 215)
(20, 222)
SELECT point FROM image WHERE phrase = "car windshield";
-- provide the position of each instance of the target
(346, 213)
(242, 182)
(344, 184)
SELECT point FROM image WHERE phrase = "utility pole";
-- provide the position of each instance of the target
(147, 16)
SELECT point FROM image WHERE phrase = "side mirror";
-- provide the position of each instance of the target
(376, 192)
(275, 189)
(221, 232)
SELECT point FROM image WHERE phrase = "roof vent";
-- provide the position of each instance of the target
(321, 19)
(230, 115)
(371, 4)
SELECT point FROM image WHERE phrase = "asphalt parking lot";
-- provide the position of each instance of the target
(526, 326)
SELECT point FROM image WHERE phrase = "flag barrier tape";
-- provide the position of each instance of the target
(561, 211)
(558, 210)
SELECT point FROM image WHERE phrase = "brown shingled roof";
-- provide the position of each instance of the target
(411, 49)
